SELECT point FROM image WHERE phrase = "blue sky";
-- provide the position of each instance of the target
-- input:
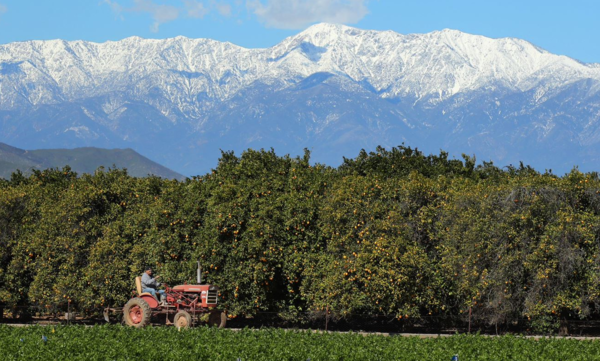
(563, 27)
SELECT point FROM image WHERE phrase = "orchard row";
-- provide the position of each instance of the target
(393, 233)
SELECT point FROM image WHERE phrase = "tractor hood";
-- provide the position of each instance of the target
(195, 288)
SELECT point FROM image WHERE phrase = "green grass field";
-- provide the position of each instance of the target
(168, 343)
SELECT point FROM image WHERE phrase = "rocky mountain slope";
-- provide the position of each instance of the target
(332, 89)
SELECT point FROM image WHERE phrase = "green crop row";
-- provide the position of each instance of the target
(393, 233)
(120, 343)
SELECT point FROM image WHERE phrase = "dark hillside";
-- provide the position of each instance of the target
(81, 160)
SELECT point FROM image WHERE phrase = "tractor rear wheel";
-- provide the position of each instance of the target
(182, 320)
(217, 319)
(137, 313)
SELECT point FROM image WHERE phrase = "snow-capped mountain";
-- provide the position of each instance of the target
(333, 89)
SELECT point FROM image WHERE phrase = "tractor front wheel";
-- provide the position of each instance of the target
(137, 313)
(182, 320)
(217, 319)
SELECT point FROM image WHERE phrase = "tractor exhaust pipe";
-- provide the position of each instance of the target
(199, 274)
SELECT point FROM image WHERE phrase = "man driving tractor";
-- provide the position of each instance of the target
(150, 285)
(183, 305)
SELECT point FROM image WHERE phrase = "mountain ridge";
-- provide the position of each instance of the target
(444, 89)
(89, 58)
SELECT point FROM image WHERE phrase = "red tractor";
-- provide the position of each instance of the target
(184, 306)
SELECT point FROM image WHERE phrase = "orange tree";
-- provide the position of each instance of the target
(261, 222)
(23, 252)
(14, 211)
(72, 214)
(514, 253)
(375, 261)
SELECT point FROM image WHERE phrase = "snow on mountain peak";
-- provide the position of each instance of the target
(325, 86)
(439, 64)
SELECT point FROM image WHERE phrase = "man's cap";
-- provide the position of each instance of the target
(148, 269)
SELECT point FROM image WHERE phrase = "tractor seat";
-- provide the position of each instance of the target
(138, 286)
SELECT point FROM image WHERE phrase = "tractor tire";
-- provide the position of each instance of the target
(217, 319)
(182, 320)
(137, 313)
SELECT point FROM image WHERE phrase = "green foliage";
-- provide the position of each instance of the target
(401, 161)
(120, 343)
(393, 233)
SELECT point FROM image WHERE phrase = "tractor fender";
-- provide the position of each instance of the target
(150, 300)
